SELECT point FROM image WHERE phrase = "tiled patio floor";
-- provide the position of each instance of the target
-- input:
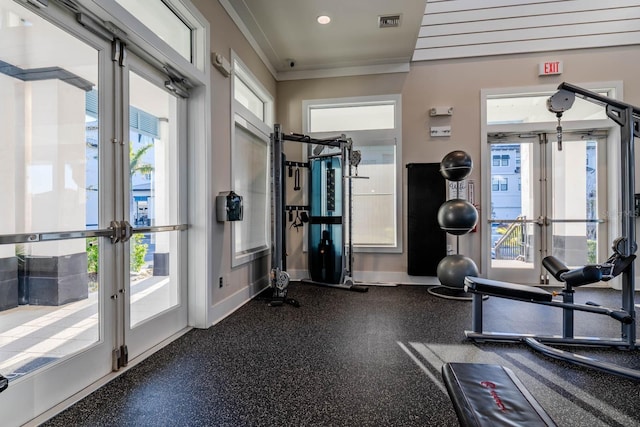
(31, 336)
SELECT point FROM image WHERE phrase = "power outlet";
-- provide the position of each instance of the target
(220, 282)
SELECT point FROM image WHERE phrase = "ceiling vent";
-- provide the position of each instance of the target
(389, 21)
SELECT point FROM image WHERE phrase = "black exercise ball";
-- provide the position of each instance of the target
(457, 216)
(456, 165)
(452, 270)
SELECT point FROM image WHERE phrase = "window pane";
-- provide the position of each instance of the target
(49, 302)
(575, 189)
(511, 239)
(248, 98)
(533, 109)
(351, 118)
(163, 22)
(153, 166)
(374, 199)
(250, 167)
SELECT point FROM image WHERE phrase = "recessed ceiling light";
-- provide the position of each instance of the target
(323, 19)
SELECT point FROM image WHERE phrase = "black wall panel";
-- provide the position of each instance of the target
(427, 243)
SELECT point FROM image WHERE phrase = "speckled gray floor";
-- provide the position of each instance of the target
(353, 359)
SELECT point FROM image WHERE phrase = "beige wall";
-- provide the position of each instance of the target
(225, 37)
(289, 114)
(454, 83)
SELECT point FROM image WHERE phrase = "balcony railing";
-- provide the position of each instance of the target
(513, 244)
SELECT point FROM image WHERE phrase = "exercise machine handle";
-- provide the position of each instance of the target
(555, 267)
(621, 316)
(582, 276)
(576, 277)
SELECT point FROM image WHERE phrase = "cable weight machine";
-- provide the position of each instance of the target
(620, 263)
(330, 243)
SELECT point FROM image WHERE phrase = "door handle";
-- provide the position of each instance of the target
(127, 231)
(542, 220)
(116, 232)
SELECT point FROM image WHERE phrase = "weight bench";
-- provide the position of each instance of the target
(491, 395)
(506, 290)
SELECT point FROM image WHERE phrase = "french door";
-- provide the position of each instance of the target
(92, 224)
(545, 201)
(154, 209)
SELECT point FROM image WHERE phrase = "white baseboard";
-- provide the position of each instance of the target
(224, 308)
(382, 278)
(393, 277)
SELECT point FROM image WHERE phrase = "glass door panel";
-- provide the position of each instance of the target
(545, 201)
(52, 292)
(47, 181)
(156, 288)
(515, 238)
(152, 173)
(575, 200)
(56, 312)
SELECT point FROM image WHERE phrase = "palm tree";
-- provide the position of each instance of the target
(137, 166)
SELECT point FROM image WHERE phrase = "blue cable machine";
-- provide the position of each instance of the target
(326, 229)
(330, 258)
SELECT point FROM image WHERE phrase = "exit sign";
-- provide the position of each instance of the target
(550, 68)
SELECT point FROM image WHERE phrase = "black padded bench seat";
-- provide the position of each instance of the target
(491, 395)
(505, 289)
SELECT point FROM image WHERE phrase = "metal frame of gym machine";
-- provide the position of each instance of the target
(628, 118)
(279, 278)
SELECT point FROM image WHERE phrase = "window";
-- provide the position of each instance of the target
(501, 160)
(248, 98)
(252, 113)
(163, 21)
(499, 184)
(173, 31)
(374, 125)
(532, 108)
(352, 118)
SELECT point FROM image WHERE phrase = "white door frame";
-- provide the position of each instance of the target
(33, 394)
(613, 153)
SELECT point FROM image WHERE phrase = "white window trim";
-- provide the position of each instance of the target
(242, 116)
(613, 150)
(243, 72)
(148, 41)
(386, 134)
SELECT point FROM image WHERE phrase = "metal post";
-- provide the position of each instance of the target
(476, 313)
(278, 215)
(567, 313)
(625, 116)
(350, 213)
(346, 273)
(628, 220)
